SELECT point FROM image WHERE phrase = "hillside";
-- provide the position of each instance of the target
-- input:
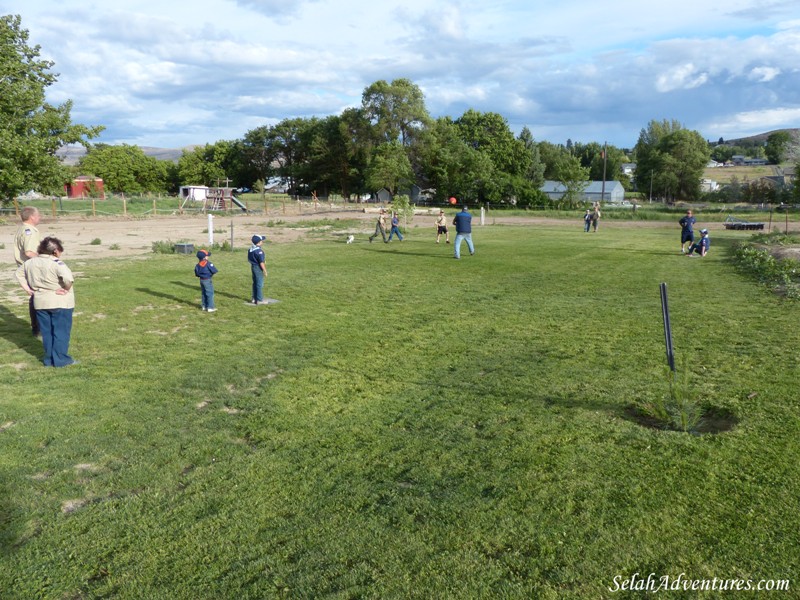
(70, 155)
(761, 138)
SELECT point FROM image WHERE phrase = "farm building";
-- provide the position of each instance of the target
(614, 192)
(85, 186)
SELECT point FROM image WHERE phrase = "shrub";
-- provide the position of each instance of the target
(95, 242)
(162, 247)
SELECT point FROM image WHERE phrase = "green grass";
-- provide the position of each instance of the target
(401, 424)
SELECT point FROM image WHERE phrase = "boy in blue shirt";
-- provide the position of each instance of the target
(205, 270)
(687, 230)
(258, 268)
(702, 246)
(395, 230)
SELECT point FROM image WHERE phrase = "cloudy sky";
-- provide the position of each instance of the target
(171, 73)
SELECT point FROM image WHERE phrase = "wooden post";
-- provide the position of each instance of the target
(53, 206)
(284, 207)
(94, 207)
(154, 206)
(124, 206)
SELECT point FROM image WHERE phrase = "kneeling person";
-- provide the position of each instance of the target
(702, 245)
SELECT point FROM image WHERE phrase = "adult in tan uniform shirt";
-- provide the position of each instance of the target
(26, 242)
(50, 282)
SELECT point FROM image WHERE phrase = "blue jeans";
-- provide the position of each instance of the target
(258, 283)
(395, 230)
(459, 238)
(55, 325)
(207, 293)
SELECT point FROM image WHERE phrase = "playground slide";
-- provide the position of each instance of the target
(238, 203)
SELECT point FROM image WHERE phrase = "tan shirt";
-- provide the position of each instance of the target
(25, 240)
(45, 274)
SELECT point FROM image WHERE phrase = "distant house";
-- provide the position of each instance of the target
(708, 185)
(743, 161)
(712, 164)
(628, 169)
(85, 186)
(614, 193)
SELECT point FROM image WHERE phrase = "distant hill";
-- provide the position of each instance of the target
(761, 138)
(70, 155)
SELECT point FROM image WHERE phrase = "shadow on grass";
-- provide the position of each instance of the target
(167, 296)
(196, 288)
(714, 420)
(379, 248)
(18, 331)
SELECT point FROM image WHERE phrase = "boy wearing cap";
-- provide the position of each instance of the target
(205, 270)
(702, 246)
(258, 268)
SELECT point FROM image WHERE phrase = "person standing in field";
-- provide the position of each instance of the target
(26, 244)
(587, 221)
(687, 230)
(595, 217)
(463, 223)
(205, 270)
(50, 283)
(441, 227)
(258, 269)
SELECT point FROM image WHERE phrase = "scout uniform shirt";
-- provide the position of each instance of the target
(25, 240)
(45, 274)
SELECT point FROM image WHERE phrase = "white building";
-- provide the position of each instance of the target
(614, 192)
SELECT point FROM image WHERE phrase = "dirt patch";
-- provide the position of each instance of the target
(785, 252)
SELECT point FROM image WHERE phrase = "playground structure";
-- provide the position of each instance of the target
(213, 198)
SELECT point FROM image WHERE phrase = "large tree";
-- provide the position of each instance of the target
(396, 110)
(777, 146)
(205, 165)
(125, 168)
(671, 159)
(31, 129)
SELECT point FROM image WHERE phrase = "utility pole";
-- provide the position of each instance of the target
(605, 159)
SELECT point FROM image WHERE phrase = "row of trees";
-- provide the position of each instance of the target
(390, 141)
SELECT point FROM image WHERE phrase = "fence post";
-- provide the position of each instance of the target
(155, 213)
(94, 207)
(53, 206)
(124, 206)
(667, 328)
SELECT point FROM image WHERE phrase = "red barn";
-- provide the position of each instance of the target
(85, 186)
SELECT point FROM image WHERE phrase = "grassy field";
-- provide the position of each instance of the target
(402, 425)
(742, 174)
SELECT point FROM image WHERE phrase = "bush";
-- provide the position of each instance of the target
(162, 247)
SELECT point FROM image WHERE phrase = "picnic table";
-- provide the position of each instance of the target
(739, 224)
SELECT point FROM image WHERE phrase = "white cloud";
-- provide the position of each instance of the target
(570, 69)
(764, 74)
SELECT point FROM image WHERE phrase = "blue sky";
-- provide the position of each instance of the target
(171, 73)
